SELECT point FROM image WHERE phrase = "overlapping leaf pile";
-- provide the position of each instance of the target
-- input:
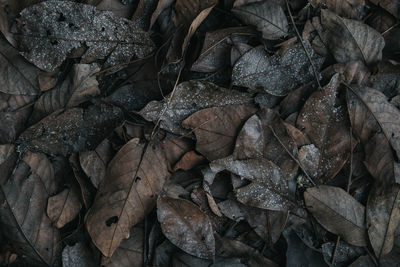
(200, 133)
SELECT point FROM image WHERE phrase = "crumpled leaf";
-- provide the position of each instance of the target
(268, 224)
(338, 212)
(64, 207)
(275, 75)
(346, 8)
(216, 128)
(268, 188)
(23, 213)
(71, 130)
(325, 122)
(215, 53)
(188, 17)
(383, 210)
(186, 226)
(94, 163)
(50, 30)
(78, 255)
(18, 77)
(267, 16)
(351, 40)
(134, 178)
(190, 97)
(75, 89)
(370, 111)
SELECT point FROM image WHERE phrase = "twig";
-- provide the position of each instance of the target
(304, 47)
(123, 64)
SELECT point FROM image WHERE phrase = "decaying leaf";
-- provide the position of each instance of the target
(71, 130)
(78, 255)
(190, 97)
(267, 16)
(17, 77)
(345, 8)
(268, 188)
(216, 128)
(50, 30)
(23, 214)
(338, 212)
(133, 180)
(345, 253)
(64, 207)
(392, 6)
(351, 40)
(186, 226)
(188, 161)
(75, 89)
(325, 123)
(275, 75)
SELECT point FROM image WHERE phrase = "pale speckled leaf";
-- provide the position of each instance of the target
(186, 226)
(267, 16)
(278, 74)
(268, 190)
(190, 97)
(50, 30)
(134, 178)
(78, 255)
(338, 212)
(351, 40)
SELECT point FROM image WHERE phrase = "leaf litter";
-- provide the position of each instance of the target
(199, 133)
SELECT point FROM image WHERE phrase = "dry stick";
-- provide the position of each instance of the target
(302, 44)
(347, 190)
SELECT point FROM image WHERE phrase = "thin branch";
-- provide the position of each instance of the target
(304, 47)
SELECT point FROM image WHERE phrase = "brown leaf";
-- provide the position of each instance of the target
(23, 215)
(130, 252)
(381, 21)
(308, 157)
(276, 75)
(352, 40)
(133, 180)
(189, 14)
(43, 29)
(188, 161)
(78, 255)
(370, 111)
(268, 188)
(267, 16)
(346, 8)
(190, 97)
(392, 6)
(325, 123)
(119, 9)
(94, 163)
(142, 14)
(353, 72)
(64, 207)
(250, 140)
(161, 5)
(338, 212)
(216, 50)
(17, 77)
(175, 147)
(186, 226)
(75, 89)
(383, 210)
(216, 128)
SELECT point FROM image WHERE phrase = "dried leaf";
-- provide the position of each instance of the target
(174, 148)
(325, 123)
(391, 6)
(161, 5)
(308, 157)
(64, 207)
(345, 253)
(267, 16)
(188, 161)
(23, 215)
(118, 8)
(250, 141)
(75, 89)
(370, 111)
(127, 195)
(143, 12)
(216, 50)
(268, 188)
(381, 21)
(78, 255)
(94, 163)
(186, 226)
(17, 77)
(346, 8)
(72, 130)
(275, 75)
(190, 97)
(51, 29)
(338, 212)
(216, 128)
(352, 40)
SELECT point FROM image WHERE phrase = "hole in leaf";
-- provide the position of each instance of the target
(48, 32)
(203, 238)
(111, 220)
(61, 17)
(71, 25)
(103, 29)
(137, 179)
(54, 42)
